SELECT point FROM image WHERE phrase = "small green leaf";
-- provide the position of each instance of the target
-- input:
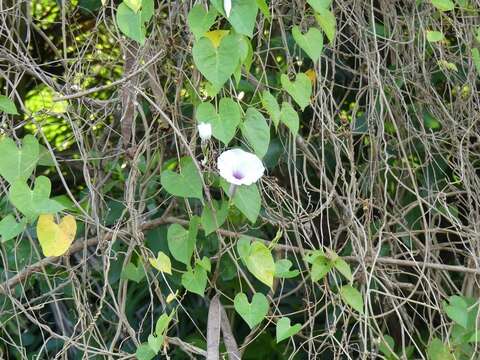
(284, 330)
(435, 36)
(321, 265)
(253, 313)
(195, 280)
(262, 5)
(256, 131)
(15, 163)
(162, 263)
(259, 262)
(311, 42)
(300, 89)
(144, 352)
(205, 263)
(180, 244)
(282, 269)
(135, 5)
(162, 323)
(443, 5)
(458, 309)
(210, 223)
(130, 23)
(200, 21)
(32, 203)
(327, 22)
(387, 346)
(188, 183)
(155, 343)
(270, 104)
(7, 105)
(290, 118)
(134, 273)
(476, 59)
(225, 123)
(352, 297)
(343, 268)
(217, 64)
(319, 5)
(247, 199)
(242, 16)
(439, 351)
(9, 228)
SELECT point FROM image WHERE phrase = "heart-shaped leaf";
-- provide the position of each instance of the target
(144, 352)
(55, 239)
(161, 326)
(343, 268)
(435, 36)
(300, 89)
(311, 42)
(270, 104)
(327, 22)
(321, 265)
(131, 23)
(195, 280)
(460, 310)
(217, 64)
(352, 297)
(258, 259)
(289, 117)
(187, 183)
(162, 263)
(7, 105)
(253, 313)
(205, 263)
(18, 164)
(9, 228)
(32, 203)
(247, 199)
(210, 223)
(225, 123)
(200, 21)
(135, 5)
(444, 5)
(284, 330)
(256, 131)
(282, 269)
(180, 243)
(155, 343)
(133, 273)
(242, 16)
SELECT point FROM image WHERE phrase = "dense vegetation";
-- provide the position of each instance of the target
(133, 226)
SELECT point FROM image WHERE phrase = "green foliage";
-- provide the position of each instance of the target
(311, 42)
(195, 280)
(7, 105)
(200, 20)
(352, 297)
(443, 5)
(289, 117)
(18, 163)
(181, 242)
(252, 312)
(242, 16)
(258, 259)
(214, 218)
(285, 330)
(187, 183)
(246, 199)
(300, 89)
(256, 131)
(271, 105)
(225, 122)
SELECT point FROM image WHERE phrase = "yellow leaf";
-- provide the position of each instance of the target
(172, 297)
(216, 36)
(55, 239)
(311, 75)
(162, 263)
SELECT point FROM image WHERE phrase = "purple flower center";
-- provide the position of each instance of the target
(237, 175)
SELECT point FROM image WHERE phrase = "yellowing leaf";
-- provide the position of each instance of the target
(216, 36)
(311, 75)
(162, 263)
(171, 297)
(55, 239)
(260, 263)
(135, 5)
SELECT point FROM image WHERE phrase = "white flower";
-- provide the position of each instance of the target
(227, 6)
(205, 131)
(239, 167)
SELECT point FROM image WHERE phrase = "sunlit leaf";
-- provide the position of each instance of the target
(55, 239)
(253, 313)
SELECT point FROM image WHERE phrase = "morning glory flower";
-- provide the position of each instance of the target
(240, 167)
(205, 131)
(227, 6)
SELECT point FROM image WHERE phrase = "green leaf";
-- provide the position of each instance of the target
(130, 23)
(15, 163)
(311, 42)
(195, 280)
(45, 158)
(300, 89)
(148, 9)
(256, 131)
(386, 347)
(200, 21)
(205, 263)
(476, 59)
(155, 343)
(188, 183)
(242, 16)
(247, 199)
(253, 313)
(210, 223)
(162, 263)
(262, 5)
(9, 228)
(7, 105)
(289, 117)
(217, 64)
(144, 352)
(327, 22)
(460, 310)
(180, 243)
(284, 330)
(259, 262)
(282, 269)
(443, 5)
(321, 265)
(135, 5)
(352, 297)
(270, 104)
(343, 268)
(439, 351)
(225, 123)
(162, 323)
(134, 273)
(32, 203)
(319, 5)
(435, 36)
